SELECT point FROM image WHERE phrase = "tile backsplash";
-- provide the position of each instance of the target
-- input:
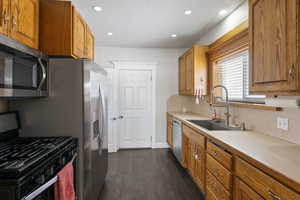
(261, 121)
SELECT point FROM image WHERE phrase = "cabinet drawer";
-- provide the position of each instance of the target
(220, 172)
(262, 183)
(194, 135)
(220, 155)
(216, 188)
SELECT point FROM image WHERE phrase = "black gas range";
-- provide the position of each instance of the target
(28, 165)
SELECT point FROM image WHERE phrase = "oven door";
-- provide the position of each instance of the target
(23, 76)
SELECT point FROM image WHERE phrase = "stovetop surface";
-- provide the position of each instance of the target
(23, 152)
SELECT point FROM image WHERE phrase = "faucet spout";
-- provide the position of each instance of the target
(227, 114)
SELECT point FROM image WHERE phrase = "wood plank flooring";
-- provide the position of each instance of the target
(147, 175)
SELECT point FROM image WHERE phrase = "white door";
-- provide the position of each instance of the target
(135, 100)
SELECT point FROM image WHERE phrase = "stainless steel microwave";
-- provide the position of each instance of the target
(23, 75)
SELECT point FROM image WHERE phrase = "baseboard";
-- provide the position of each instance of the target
(161, 145)
(111, 148)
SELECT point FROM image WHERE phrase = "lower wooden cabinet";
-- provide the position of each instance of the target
(194, 154)
(199, 172)
(170, 131)
(223, 175)
(185, 151)
(244, 192)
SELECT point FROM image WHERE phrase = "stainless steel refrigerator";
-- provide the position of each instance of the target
(76, 107)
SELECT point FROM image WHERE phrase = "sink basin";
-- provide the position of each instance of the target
(212, 125)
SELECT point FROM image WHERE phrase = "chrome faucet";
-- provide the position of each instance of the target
(227, 114)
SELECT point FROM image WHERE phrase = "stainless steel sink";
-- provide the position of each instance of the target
(212, 125)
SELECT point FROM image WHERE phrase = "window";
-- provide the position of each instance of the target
(233, 73)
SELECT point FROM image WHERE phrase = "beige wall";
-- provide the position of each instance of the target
(3, 106)
(257, 120)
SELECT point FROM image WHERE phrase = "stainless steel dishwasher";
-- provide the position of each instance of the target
(177, 139)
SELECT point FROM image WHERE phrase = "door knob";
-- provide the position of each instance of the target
(121, 117)
(114, 119)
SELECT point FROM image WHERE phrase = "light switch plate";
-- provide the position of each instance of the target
(283, 123)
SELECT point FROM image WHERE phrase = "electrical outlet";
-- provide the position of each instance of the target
(283, 123)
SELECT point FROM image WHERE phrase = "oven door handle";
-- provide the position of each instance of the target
(44, 74)
(41, 189)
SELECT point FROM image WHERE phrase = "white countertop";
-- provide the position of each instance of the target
(276, 154)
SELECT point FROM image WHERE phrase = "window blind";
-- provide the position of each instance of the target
(233, 73)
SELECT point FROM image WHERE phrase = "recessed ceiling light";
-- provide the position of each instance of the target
(223, 12)
(188, 12)
(109, 33)
(97, 8)
(173, 35)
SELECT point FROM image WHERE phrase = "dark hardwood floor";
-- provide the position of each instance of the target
(147, 175)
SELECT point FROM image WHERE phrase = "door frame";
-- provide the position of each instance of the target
(133, 65)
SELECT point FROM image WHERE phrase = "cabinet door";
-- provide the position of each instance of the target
(182, 75)
(4, 16)
(273, 45)
(244, 192)
(79, 35)
(186, 151)
(25, 22)
(192, 160)
(189, 61)
(89, 51)
(170, 135)
(199, 173)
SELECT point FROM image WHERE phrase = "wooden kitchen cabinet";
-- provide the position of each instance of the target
(193, 69)
(5, 16)
(79, 35)
(74, 39)
(20, 21)
(170, 131)
(194, 148)
(185, 151)
(274, 41)
(244, 192)
(25, 22)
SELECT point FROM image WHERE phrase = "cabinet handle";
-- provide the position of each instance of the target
(292, 72)
(274, 196)
(5, 18)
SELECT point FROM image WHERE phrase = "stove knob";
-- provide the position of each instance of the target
(49, 172)
(40, 179)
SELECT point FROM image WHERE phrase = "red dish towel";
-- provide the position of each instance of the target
(64, 187)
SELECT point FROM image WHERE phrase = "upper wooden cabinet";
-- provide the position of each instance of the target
(19, 19)
(79, 35)
(193, 68)
(274, 41)
(74, 39)
(5, 16)
(25, 22)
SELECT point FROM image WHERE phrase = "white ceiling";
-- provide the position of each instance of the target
(149, 23)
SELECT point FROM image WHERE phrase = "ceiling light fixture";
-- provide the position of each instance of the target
(188, 12)
(173, 35)
(97, 8)
(109, 33)
(223, 12)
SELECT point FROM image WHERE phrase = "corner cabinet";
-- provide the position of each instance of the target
(274, 41)
(193, 70)
(74, 39)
